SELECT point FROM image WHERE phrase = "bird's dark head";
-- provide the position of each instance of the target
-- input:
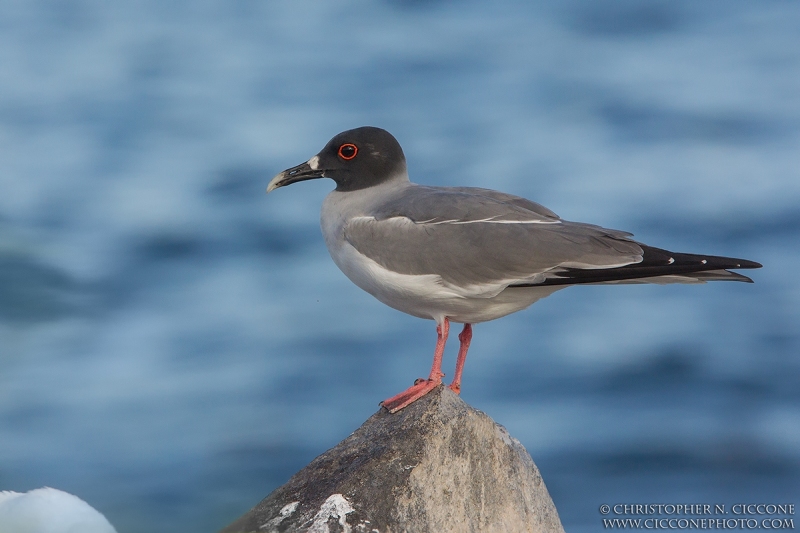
(354, 159)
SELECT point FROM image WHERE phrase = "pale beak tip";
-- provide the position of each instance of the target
(275, 182)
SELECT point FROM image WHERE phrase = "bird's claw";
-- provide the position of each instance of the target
(420, 388)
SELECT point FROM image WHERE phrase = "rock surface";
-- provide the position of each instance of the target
(436, 466)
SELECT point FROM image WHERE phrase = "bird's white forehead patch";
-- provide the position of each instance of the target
(314, 162)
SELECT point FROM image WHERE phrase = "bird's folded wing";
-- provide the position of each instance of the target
(481, 241)
(423, 204)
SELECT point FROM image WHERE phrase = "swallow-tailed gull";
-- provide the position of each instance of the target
(465, 254)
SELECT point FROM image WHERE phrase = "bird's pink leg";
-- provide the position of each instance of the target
(421, 387)
(465, 337)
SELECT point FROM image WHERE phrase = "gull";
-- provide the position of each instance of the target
(466, 254)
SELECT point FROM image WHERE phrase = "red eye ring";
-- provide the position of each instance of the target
(348, 151)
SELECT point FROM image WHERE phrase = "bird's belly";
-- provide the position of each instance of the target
(426, 296)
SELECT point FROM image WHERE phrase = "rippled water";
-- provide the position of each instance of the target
(174, 344)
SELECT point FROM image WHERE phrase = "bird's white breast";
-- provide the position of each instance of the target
(406, 293)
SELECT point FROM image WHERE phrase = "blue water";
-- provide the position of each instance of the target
(174, 344)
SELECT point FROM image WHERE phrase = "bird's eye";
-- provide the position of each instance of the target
(348, 151)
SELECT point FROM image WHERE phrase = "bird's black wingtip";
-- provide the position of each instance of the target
(729, 262)
(749, 264)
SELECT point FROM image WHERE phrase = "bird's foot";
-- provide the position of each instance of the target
(455, 387)
(420, 388)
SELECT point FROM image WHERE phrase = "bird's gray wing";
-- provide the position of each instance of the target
(423, 204)
(479, 241)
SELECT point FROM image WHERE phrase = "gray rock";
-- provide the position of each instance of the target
(436, 466)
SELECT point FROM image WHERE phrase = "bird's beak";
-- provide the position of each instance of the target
(307, 171)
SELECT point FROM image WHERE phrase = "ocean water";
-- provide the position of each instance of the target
(174, 344)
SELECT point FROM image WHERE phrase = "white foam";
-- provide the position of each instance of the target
(49, 510)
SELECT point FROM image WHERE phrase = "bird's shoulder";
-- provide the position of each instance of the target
(422, 204)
